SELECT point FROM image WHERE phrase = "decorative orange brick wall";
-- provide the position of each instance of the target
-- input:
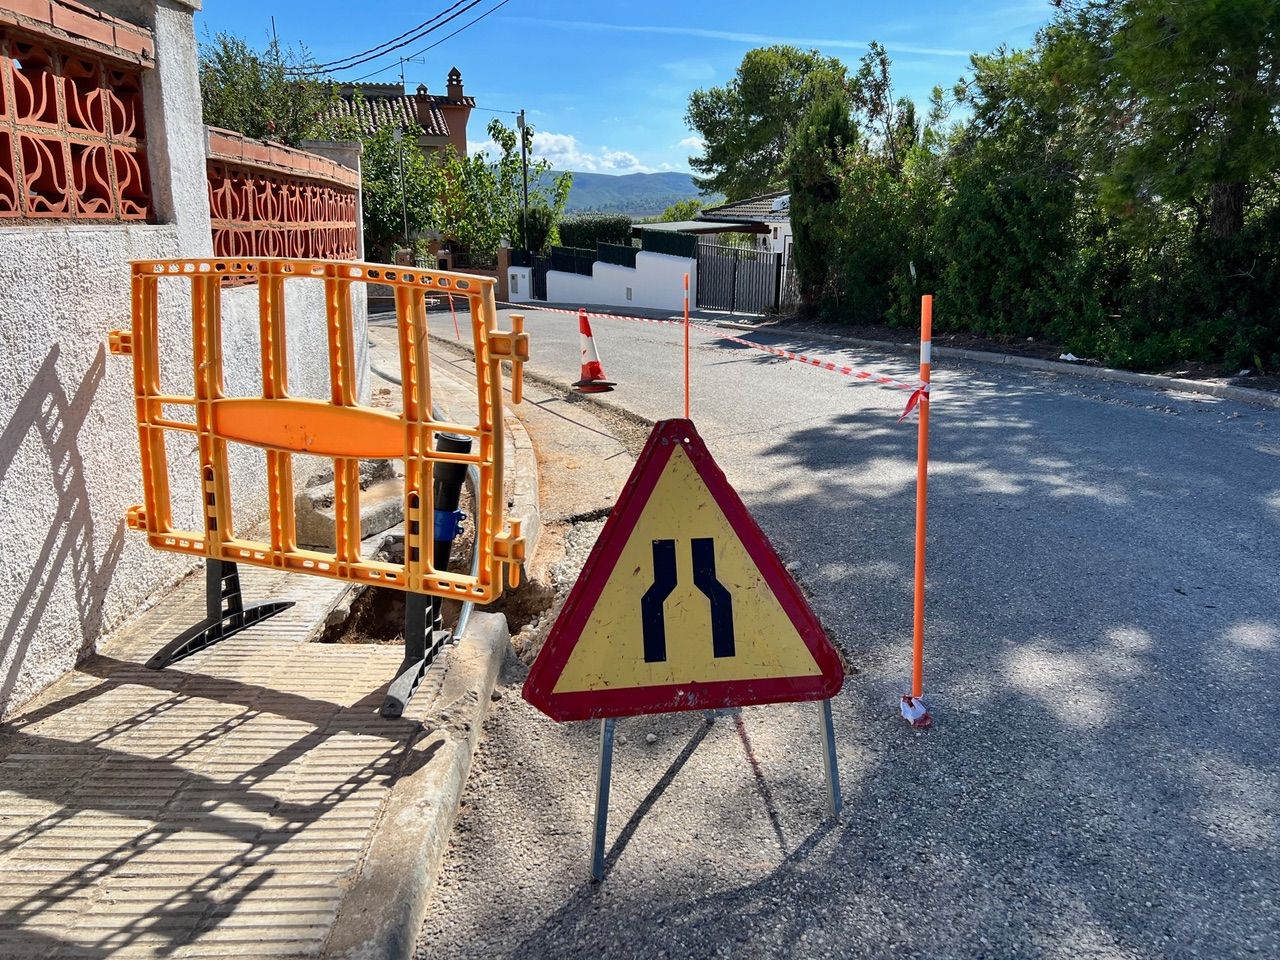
(268, 200)
(72, 135)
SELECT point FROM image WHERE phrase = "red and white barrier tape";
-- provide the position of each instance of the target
(846, 370)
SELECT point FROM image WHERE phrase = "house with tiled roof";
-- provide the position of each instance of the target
(768, 214)
(443, 119)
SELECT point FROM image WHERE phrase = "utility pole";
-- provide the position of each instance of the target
(524, 167)
(398, 136)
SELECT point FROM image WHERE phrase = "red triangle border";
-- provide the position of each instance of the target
(618, 528)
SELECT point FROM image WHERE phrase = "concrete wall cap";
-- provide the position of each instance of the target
(74, 24)
(232, 147)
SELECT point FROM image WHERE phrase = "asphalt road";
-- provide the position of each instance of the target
(1103, 655)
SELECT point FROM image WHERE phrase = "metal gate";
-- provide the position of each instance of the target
(738, 279)
(540, 267)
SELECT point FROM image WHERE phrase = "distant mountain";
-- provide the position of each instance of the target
(640, 194)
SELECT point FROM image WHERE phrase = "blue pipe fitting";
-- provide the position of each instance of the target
(447, 524)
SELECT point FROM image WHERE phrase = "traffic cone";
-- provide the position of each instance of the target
(593, 380)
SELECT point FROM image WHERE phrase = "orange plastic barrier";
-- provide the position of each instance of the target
(340, 428)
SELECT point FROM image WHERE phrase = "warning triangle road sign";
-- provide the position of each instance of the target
(682, 605)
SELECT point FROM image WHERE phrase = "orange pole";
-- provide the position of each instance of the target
(686, 346)
(922, 491)
(457, 334)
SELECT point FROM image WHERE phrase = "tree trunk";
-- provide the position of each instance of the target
(1226, 210)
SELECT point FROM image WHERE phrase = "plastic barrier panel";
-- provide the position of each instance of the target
(340, 428)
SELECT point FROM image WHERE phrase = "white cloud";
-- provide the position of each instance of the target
(753, 39)
(563, 152)
(693, 143)
(487, 147)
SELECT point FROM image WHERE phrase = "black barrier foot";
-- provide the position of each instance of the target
(410, 675)
(421, 645)
(225, 615)
(424, 633)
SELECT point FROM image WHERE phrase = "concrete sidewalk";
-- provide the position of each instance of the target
(248, 801)
(214, 808)
(221, 807)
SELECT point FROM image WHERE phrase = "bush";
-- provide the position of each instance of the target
(542, 223)
(586, 230)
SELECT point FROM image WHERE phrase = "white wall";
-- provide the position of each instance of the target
(778, 244)
(657, 282)
(69, 569)
(520, 284)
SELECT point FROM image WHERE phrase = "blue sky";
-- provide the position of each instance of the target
(605, 84)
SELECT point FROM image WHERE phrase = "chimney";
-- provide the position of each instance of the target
(456, 111)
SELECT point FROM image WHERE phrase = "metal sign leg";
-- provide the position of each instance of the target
(834, 802)
(602, 799)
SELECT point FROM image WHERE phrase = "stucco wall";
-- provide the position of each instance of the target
(68, 457)
(69, 568)
(657, 282)
(520, 284)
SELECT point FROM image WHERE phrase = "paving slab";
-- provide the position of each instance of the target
(243, 802)
(248, 801)
(149, 813)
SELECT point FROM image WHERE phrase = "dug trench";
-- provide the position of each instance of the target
(585, 452)
(376, 614)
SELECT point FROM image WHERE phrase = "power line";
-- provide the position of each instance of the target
(429, 20)
(366, 76)
(472, 23)
(432, 46)
(358, 61)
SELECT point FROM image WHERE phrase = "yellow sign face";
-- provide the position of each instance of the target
(682, 605)
(611, 651)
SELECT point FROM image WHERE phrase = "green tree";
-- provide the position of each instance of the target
(867, 179)
(1018, 201)
(682, 210)
(748, 124)
(1185, 99)
(888, 123)
(481, 199)
(400, 191)
(261, 94)
(814, 164)
(539, 228)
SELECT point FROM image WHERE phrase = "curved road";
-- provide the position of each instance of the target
(1103, 654)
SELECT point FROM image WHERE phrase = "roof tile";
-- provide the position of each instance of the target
(755, 209)
(375, 110)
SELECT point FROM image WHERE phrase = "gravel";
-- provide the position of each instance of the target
(1102, 665)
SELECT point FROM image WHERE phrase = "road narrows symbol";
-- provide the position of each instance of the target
(704, 577)
(664, 581)
(653, 622)
(716, 621)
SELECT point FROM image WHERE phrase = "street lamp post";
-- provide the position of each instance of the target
(524, 168)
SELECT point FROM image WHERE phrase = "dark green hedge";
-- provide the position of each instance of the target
(586, 230)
